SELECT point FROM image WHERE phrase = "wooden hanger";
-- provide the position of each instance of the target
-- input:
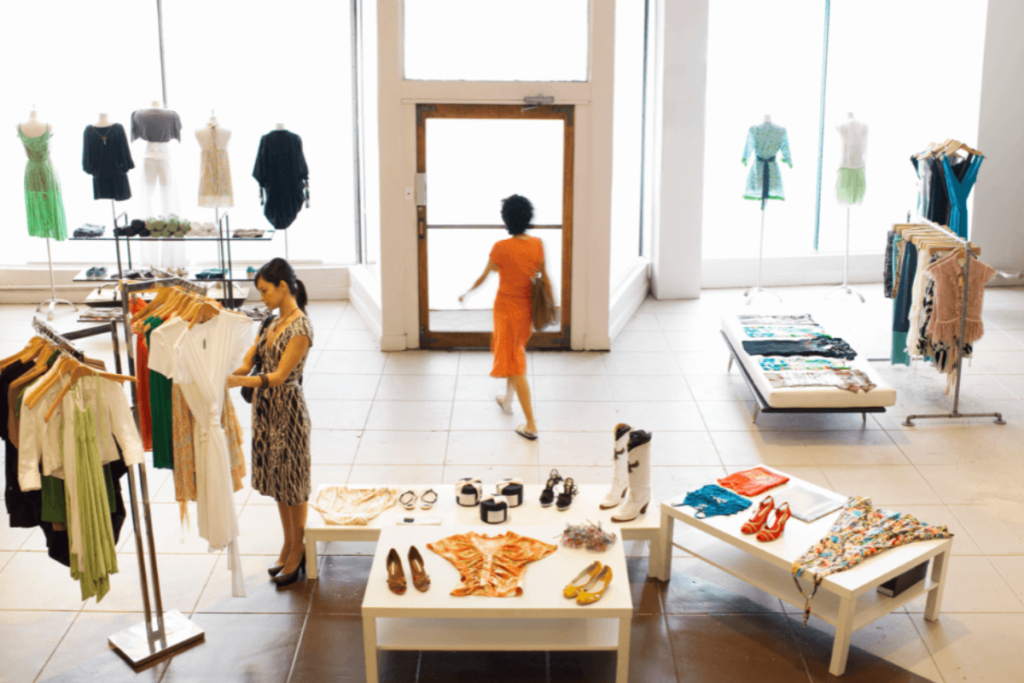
(35, 344)
(80, 372)
(160, 297)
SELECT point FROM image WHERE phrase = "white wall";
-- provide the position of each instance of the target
(997, 223)
(397, 99)
(680, 51)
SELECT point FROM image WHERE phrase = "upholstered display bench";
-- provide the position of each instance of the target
(540, 619)
(585, 507)
(768, 399)
(847, 600)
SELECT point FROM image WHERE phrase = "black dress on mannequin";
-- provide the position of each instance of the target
(283, 175)
(106, 157)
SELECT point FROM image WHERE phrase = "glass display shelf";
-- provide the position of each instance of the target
(237, 275)
(268, 235)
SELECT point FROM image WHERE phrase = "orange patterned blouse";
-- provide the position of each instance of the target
(493, 566)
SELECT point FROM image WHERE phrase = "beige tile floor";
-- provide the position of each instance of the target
(429, 417)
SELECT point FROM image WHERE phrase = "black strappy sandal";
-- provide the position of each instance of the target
(547, 496)
(569, 492)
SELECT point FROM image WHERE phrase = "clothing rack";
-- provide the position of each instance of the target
(142, 643)
(63, 341)
(956, 414)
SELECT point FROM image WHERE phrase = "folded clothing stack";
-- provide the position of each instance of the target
(89, 230)
(136, 229)
(207, 229)
(247, 234)
(172, 226)
(211, 274)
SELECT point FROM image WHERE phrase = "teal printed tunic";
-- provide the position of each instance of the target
(764, 141)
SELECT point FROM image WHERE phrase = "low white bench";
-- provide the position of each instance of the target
(585, 507)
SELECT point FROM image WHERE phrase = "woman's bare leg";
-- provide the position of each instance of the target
(523, 389)
(286, 549)
(297, 525)
(510, 390)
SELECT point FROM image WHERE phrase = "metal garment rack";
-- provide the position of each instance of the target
(63, 341)
(142, 643)
(968, 257)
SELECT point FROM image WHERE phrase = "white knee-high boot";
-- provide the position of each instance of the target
(639, 467)
(620, 480)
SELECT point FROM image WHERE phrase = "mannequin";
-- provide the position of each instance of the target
(33, 128)
(279, 126)
(767, 118)
(764, 181)
(158, 127)
(103, 122)
(850, 183)
(44, 205)
(215, 168)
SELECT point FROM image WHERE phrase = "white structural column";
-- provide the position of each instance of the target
(998, 212)
(397, 100)
(681, 53)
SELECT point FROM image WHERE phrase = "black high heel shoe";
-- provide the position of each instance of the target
(547, 496)
(568, 493)
(274, 571)
(289, 579)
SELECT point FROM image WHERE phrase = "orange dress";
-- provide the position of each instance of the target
(518, 260)
(493, 566)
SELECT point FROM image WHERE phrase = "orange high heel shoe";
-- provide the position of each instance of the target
(754, 524)
(590, 593)
(771, 532)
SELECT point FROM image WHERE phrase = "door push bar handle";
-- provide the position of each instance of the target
(421, 220)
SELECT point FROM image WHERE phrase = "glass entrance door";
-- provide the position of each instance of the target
(469, 158)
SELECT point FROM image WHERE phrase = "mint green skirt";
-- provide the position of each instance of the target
(850, 186)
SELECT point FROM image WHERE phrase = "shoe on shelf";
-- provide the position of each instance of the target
(547, 496)
(573, 588)
(288, 579)
(408, 500)
(638, 468)
(569, 491)
(771, 532)
(428, 499)
(594, 590)
(420, 579)
(757, 520)
(396, 576)
(620, 478)
(468, 491)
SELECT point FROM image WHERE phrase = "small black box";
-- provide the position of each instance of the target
(897, 585)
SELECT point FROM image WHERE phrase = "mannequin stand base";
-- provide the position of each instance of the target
(909, 422)
(134, 645)
(848, 290)
(50, 304)
(752, 293)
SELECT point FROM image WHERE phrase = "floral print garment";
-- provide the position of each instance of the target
(781, 364)
(782, 332)
(763, 143)
(861, 531)
(493, 566)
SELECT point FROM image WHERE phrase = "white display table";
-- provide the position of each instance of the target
(847, 600)
(540, 619)
(585, 506)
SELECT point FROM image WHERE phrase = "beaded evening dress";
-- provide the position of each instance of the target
(44, 205)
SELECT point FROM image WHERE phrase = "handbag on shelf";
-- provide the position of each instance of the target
(257, 362)
(542, 305)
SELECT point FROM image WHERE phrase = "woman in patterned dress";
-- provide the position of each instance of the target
(280, 420)
(517, 260)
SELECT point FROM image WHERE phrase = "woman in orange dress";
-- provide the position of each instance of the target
(517, 260)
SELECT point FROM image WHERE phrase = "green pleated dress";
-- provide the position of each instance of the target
(44, 204)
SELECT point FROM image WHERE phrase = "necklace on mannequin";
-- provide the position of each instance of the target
(102, 137)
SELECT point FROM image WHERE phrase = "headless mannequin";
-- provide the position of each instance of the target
(33, 128)
(767, 118)
(103, 122)
(279, 126)
(205, 135)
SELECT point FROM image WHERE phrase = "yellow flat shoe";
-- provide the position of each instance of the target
(591, 593)
(585, 577)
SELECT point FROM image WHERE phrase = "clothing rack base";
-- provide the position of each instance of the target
(53, 301)
(752, 293)
(845, 287)
(134, 643)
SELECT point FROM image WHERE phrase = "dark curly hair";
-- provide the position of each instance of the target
(517, 212)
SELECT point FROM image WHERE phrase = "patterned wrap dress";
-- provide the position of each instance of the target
(280, 424)
(518, 260)
(764, 181)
